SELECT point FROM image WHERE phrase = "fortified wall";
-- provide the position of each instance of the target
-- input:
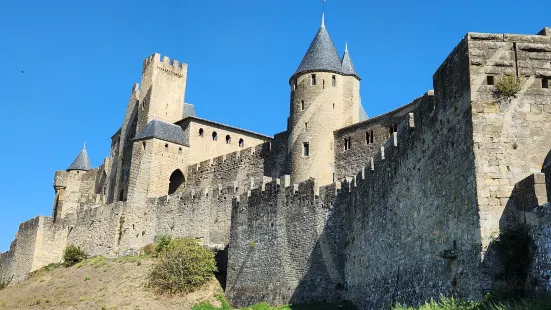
(421, 199)
(417, 218)
(201, 210)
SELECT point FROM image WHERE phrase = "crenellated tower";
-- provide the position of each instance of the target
(162, 90)
(325, 96)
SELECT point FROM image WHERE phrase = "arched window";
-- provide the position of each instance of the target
(241, 142)
(228, 139)
(214, 136)
(201, 132)
(176, 180)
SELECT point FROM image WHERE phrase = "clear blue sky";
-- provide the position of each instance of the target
(81, 59)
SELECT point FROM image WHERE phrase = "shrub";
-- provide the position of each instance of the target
(150, 249)
(162, 242)
(184, 265)
(73, 255)
(4, 282)
(508, 86)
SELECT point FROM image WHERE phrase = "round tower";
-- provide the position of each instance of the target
(324, 98)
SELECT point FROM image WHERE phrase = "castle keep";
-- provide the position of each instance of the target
(400, 207)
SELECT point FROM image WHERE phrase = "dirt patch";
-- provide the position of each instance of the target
(99, 283)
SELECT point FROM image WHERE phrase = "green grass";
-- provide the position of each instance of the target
(454, 304)
(265, 306)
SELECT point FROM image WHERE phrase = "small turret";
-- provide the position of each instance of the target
(82, 162)
(324, 97)
(347, 66)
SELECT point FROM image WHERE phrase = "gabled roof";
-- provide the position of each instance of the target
(347, 66)
(163, 131)
(82, 162)
(321, 56)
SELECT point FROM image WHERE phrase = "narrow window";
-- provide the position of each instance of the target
(347, 143)
(166, 147)
(390, 131)
(313, 79)
(371, 137)
(306, 149)
(333, 106)
(306, 126)
(367, 138)
(228, 139)
(302, 105)
(490, 80)
(143, 144)
(179, 151)
(121, 195)
(323, 84)
(241, 143)
(214, 136)
(201, 132)
(334, 81)
(545, 83)
(295, 85)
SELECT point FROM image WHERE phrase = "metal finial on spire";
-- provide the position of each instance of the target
(323, 14)
(84, 144)
(346, 48)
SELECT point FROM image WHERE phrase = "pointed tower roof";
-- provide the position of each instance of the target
(347, 66)
(322, 54)
(82, 162)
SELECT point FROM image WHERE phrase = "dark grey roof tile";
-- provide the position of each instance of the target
(163, 131)
(321, 56)
(82, 162)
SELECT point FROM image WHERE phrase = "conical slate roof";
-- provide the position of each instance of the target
(321, 56)
(347, 66)
(82, 162)
(163, 131)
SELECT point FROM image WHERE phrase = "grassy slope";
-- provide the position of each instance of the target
(99, 284)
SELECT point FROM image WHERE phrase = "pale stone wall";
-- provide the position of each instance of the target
(121, 152)
(511, 136)
(75, 189)
(316, 111)
(153, 161)
(203, 147)
(365, 140)
(162, 90)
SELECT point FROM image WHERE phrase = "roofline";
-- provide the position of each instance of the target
(320, 70)
(190, 118)
(375, 119)
(149, 138)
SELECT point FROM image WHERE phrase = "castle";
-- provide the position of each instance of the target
(397, 208)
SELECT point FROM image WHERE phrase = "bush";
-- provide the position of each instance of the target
(508, 86)
(162, 242)
(4, 282)
(184, 265)
(73, 255)
(150, 249)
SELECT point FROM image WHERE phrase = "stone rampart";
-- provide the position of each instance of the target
(400, 230)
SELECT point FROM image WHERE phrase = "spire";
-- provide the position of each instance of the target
(322, 20)
(321, 55)
(347, 66)
(81, 162)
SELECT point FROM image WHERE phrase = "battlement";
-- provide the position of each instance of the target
(165, 64)
(230, 160)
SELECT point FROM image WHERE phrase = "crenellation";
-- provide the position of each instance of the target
(334, 207)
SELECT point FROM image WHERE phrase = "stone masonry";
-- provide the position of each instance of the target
(401, 207)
